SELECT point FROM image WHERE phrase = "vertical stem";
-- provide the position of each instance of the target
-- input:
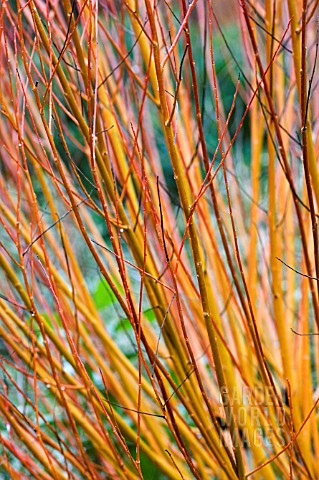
(305, 138)
(186, 200)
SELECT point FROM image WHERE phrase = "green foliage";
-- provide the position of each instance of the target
(158, 240)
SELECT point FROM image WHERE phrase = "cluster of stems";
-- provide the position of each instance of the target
(159, 247)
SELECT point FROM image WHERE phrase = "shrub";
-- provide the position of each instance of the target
(159, 240)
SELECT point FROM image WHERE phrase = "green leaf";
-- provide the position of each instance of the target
(124, 324)
(104, 295)
(149, 314)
